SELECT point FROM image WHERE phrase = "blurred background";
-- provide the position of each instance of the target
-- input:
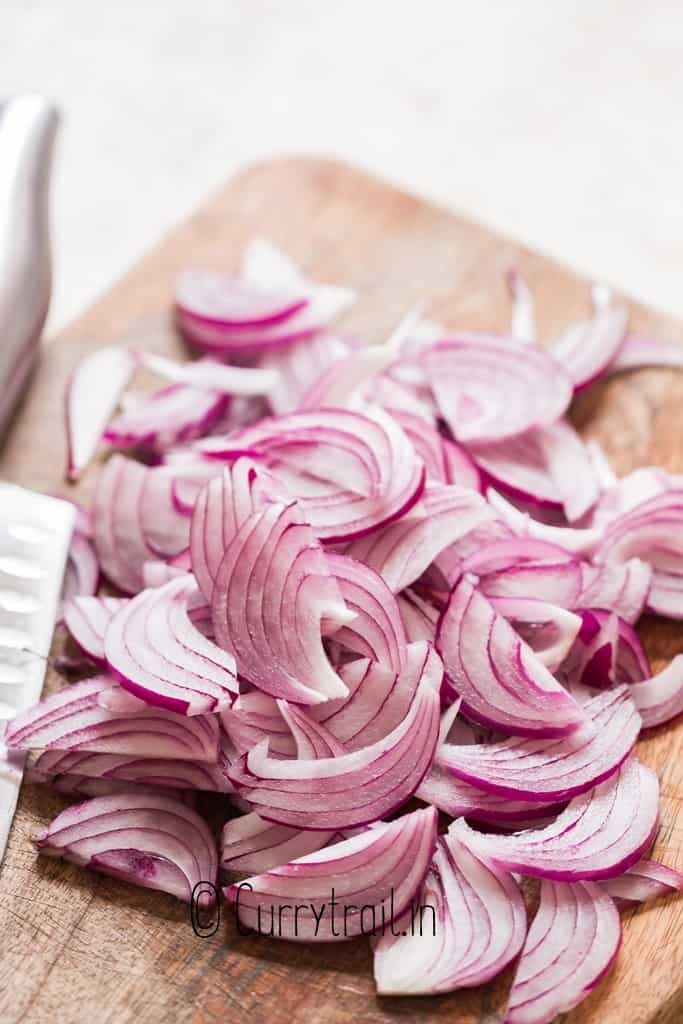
(557, 123)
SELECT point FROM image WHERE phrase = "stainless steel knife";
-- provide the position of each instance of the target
(35, 530)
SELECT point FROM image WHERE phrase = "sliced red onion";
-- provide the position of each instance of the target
(178, 774)
(147, 839)
(403, 550)
(638, 352)
(82, 572)
(502, 684)
(427, 442)
(374, 875)
(351, 789)
(84, 788)
(220, 510)
(607, 650)
(577, 540)
(621, 588)
(158, 654)
(174, 415)
(522, 320)
(630, 491)
(377, 630)
(267, 267)
(588, 348)
(273, 591)
(317, 314)
(519, 467)
(477, 925)
(469, 374)
(249, 843)
(460, 467)
(210, 375)
(227, 301)
(458, 799)
(97, 715)
(660, 699)
(155, 574)
(92, 394)
(344, 383)
(651, 531)
(312, 739)
(299, 365)
(644, 881)
(549, 630)
(572, 943)
(377, 703)
(522, 568)
(352, 472)
(119, 541)
(549, 466)
(551, 770)
(419, 617)
(600, 834)
(87, 619)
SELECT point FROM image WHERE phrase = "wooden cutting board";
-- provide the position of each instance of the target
(76, 947)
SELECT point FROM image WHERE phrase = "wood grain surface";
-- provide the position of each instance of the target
(78, 948)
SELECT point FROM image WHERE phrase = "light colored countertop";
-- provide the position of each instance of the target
(557, 123)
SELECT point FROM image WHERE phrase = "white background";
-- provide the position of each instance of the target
(557, 122)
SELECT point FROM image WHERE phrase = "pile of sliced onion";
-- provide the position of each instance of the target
(329, 584)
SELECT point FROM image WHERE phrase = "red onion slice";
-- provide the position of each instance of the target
(374, 875)
(427, 442)
(550, 466)
(311, 738)
(377, 702)
(476, 927)
(651, 531)
(210, 375)
(644, 881)
(572, 943)
(522, 568)
(468, 374)
(299, 365)
(459, 799)
(638, 352)
(522, 319)
(621, 588)
(549, 630)
(577, 540)
(229, 301)
(97, 715)
(174, 415)
(119, 541)
(599, 835)
(82, 572)
(87, 619)
(376, 631)
(351, 789)
(147, 839)
(249, 843)
(352, 472)
(588, 348)
(273, 591)
(178, 774)
(220, 510)
(502, 684)
(92, 393)
(403, 550)
(660, 699)
(460, 467)
(551, 770)
(158, 654)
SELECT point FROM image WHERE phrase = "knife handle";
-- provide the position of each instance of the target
(28, 125)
